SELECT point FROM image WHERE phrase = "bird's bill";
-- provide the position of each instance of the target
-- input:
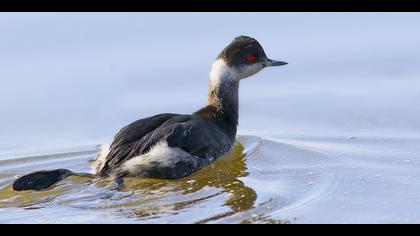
(270, 62)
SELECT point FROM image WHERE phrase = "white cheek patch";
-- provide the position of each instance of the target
(249, 70)
(160, 156)
(221, 72)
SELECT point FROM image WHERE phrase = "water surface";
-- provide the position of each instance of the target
(303, 180)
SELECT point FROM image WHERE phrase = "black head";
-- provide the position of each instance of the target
(245, 50)
(246, 56)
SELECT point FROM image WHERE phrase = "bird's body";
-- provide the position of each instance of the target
(166, 146)
(172, 146)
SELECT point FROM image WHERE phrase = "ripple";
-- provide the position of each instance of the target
(259, 181)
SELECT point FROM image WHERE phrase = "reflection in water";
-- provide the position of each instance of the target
(147, 199)
(220, 178)
(291, 181)
(35, 199)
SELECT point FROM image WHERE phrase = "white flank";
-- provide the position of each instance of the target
(99, 161)
(161, 155)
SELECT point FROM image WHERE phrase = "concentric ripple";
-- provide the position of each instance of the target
(259, 181)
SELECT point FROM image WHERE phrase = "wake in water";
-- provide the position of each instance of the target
(223, 175)
(224, 185)
(310, 180)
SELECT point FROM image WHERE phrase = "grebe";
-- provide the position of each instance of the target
(172, 146)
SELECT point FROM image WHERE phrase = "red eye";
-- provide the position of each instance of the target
(252, 58)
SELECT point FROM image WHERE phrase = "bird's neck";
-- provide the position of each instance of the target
(223, 99)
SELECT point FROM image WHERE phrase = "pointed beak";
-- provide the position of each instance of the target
(270, 62)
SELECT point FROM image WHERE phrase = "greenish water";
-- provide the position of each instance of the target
(215, 193)
(287, 180)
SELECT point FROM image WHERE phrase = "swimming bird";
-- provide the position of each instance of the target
(173, 146)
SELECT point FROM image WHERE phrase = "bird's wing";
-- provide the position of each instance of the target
(195, 136)
(125, 139)
(200, 138)
(136, 130)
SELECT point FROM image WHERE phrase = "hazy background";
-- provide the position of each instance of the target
(77, 78)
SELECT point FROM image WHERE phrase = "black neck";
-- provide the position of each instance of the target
(225, 98)
(223, 105)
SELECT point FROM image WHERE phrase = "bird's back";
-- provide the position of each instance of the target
(189, 141)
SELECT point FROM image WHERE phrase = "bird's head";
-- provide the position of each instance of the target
(242, 58)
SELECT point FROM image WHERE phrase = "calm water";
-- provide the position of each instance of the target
(333, 137)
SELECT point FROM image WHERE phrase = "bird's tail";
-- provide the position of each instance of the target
(44, 179)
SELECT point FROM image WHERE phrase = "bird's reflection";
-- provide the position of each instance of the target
(221, 178)
(219, 184)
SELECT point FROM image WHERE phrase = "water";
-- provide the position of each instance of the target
(221, 189)
(333, 137)
(311, 180)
